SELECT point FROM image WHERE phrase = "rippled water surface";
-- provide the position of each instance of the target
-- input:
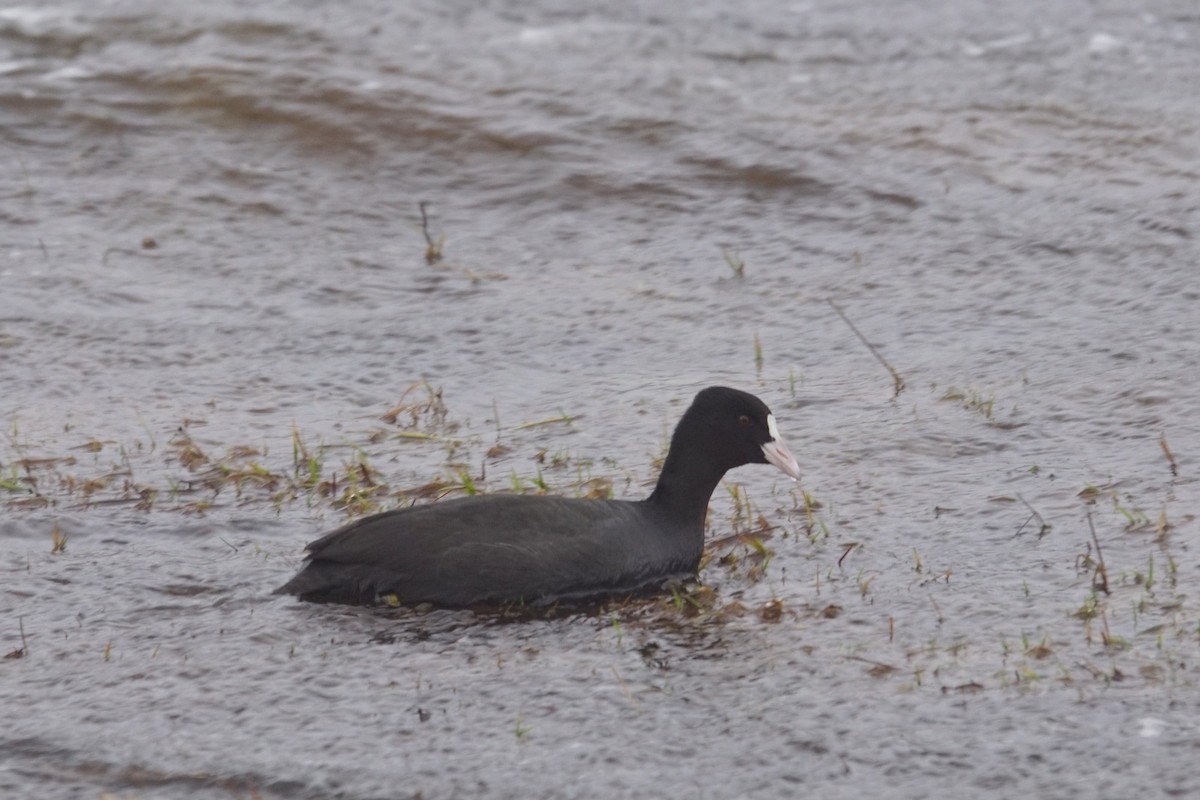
(214, 288)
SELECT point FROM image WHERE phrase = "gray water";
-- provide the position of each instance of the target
(212, 263)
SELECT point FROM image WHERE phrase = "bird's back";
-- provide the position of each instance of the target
(498, 547)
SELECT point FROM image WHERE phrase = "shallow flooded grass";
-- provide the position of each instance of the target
(779, 557)
(902, 576)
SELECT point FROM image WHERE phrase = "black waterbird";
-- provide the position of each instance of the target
(502, 548)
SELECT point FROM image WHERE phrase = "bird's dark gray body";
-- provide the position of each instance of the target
(495, 548)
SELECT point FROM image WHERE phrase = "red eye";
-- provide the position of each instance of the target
(744, 421)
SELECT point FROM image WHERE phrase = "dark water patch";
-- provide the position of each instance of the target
(755, 177)
(69, 771)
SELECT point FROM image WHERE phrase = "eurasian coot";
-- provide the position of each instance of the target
(503, 548)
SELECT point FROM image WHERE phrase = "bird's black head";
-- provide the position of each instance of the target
(733, 428)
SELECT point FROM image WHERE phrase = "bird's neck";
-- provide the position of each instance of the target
(684, 488)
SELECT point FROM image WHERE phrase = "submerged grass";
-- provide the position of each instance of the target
(777, 558)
